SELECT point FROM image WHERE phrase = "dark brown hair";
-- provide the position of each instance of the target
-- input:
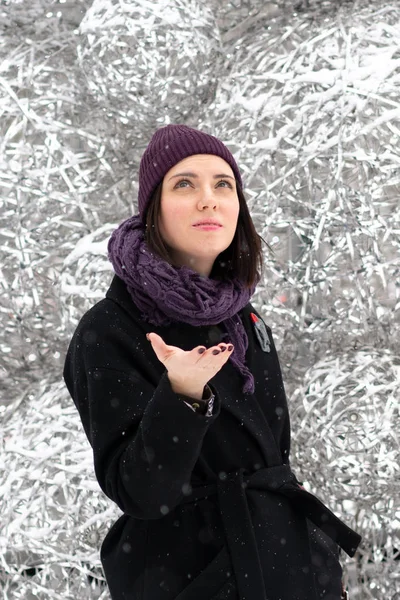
(242, 259)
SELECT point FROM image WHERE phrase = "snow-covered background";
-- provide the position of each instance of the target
(306, 94)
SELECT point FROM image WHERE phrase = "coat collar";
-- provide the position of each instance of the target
(118, 292)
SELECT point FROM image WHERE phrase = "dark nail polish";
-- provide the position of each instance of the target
(223, 349)
(201, 350)
(230, 347)
(215, 351)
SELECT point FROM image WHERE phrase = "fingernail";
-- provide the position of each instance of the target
(215, 351)
(147, 335)
(230, 347)
(201, 350)
(223, 349)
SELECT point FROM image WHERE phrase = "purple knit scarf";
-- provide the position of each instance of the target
(166, 294)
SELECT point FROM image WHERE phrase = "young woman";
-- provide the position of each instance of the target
(179, 388)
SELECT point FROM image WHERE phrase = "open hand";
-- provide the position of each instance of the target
(190, 369)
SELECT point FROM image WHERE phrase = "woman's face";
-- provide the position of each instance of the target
(199, 187)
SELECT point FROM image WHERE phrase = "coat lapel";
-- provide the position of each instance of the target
(245, 407)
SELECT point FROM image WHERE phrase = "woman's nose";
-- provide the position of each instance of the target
(208, 198)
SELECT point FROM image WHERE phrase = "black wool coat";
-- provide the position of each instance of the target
(212, 510)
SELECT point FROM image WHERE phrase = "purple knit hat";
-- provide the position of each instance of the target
(168, 146)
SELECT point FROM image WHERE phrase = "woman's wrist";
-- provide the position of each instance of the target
(197, 394)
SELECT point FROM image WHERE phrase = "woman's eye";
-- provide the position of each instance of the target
(181, 181)
(224, 181)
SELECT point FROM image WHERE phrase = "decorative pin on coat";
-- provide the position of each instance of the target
(261, 332)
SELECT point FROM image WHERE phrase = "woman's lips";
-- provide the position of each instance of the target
(208, 227)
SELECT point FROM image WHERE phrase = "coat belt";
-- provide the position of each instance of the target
(241, 541)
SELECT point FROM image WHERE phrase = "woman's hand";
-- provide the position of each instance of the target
(190, 370)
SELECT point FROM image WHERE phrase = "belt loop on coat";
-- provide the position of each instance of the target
(240, 536)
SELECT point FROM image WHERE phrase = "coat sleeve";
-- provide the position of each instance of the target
(145, 440)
